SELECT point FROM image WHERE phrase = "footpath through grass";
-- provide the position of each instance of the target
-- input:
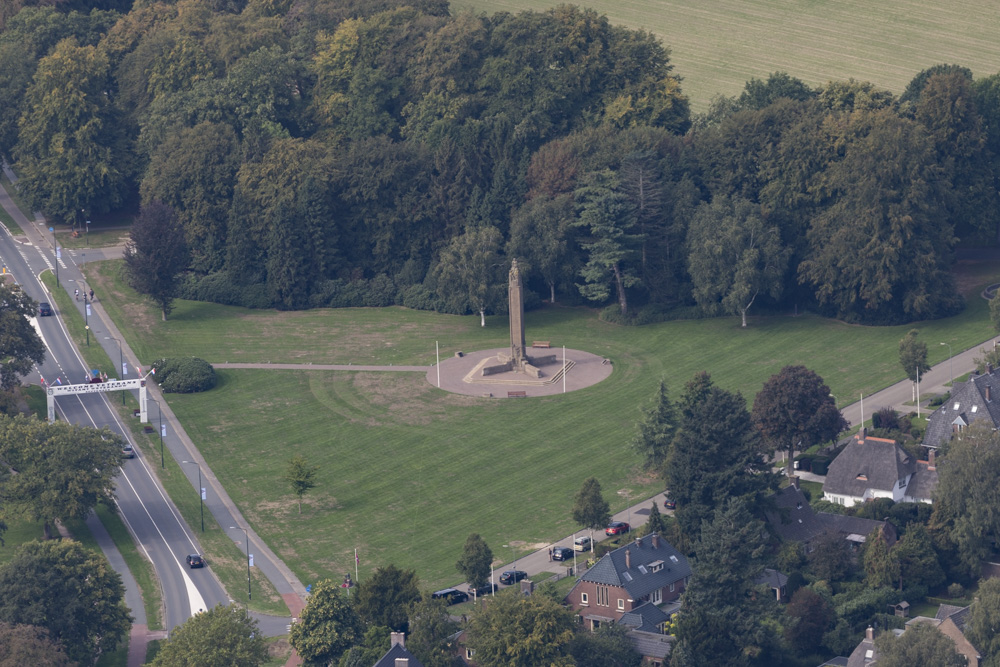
(408, 471)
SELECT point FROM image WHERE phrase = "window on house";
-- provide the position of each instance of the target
(902, 483)
(974, 408)
(603, 597)
(469, 652)
(672, 588)
(955, 407)
(656, 566)
(656, 597)
(674, 559)
(621, 604)
(626, 576)
(584, 598)
(642, 568)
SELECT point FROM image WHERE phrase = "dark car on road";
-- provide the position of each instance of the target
(617, 528)
(451, 595)
(486, 589)
(194, 560)
(669, 504)
(44, 309)
(562, 553)
(510, 577)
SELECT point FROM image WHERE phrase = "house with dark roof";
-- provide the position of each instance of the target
(776, 581)
(870, 468)
(648, 570)
(398, 656)
(950, 621)
(654, 647)
(864, 653)
(978, 399)
(792, 519)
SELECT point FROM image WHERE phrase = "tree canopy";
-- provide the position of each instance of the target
(590, 509)
(477, 557)
(920, 644)
(518, 631)
(328, 627)
(222, 635)
(384, 598)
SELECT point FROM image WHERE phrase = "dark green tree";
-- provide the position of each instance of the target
(881, 563)
(983, 620)
(156, 254)
(29, 645)
(20, 347)
(590, 509)
(539, 234)
(608, 646)
(913, 355)
(725, 616)
(301, 476)
(921, 644)
(655, 522)
(717, 455)
(967, 493)
(430, 628)
(734, 257)
(70, 591)
(657, 429)
(918, 562)
(223, 635)
(383, 598)
(807, 617)
(475, 561)
(794, 409)
(758, 94)
(518, 631)
(830, 558)
(371, 648)
(609, 240)
(62, 470)
(328, 625)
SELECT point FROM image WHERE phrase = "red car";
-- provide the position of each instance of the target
(617, 528)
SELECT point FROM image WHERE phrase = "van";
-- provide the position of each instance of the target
(581, 544)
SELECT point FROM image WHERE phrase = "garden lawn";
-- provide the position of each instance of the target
(408, 471)
(717, 45)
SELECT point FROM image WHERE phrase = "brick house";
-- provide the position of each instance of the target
(647, 570)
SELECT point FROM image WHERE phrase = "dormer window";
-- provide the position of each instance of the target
(656, 566)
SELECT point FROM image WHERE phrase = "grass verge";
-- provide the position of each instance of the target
(15, 196)
(406, 471)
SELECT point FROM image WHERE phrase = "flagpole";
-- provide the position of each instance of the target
(437, 353)
(862, 409)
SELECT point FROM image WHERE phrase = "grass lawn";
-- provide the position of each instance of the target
(717, 45)
(407, 471)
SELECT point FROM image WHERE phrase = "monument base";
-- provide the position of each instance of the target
(497, 370)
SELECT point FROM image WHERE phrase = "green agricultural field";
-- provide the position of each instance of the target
(717, 45)
(407, 471)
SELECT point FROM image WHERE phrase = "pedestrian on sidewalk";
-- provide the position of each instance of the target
(76, 293)
(550, 553)
(91, 295)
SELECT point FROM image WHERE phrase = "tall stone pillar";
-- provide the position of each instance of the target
(516, 296)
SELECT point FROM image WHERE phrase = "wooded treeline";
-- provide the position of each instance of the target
(324, 153)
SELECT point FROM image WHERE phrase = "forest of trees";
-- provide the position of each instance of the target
(337, 153)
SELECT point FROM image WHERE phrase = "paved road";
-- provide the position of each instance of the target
(152, 518)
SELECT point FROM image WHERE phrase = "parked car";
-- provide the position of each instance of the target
(669, 504)
(510, 577)
(44, 309)
(194, 560)
(581, 544)
(128, 452)
(562, 553)
(451, 595)
(486, 589)
(617, 528)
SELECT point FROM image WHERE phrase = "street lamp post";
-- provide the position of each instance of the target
(86, 315)
(249, 593)
(55, 251)
(628, 502)
(121, 362)
(201, 495)
(951, 368)
(159, 414)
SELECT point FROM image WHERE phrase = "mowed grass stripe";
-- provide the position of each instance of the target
(719, 44)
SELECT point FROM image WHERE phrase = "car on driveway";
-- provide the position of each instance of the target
(128, 452)
(562, 553)
(510, 577)
(669, 504)
(451, 595)
(617, 528)
(581, 544)
(194, 560)
(44, 309)
(486, 589)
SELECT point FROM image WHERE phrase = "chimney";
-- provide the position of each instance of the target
(870, 634)
(656, 541)
(628, 559)
(402, 662)
(397, 638)
(795, 481)
(930, 460)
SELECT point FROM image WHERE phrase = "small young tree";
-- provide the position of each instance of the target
(591, 510)
(301, 476)
(913, 355)
(880, 562)
(655, 523)
(475, 561)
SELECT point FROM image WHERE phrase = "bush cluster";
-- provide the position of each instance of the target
(184, 375)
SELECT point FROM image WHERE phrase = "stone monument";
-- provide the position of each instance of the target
(517, 361)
